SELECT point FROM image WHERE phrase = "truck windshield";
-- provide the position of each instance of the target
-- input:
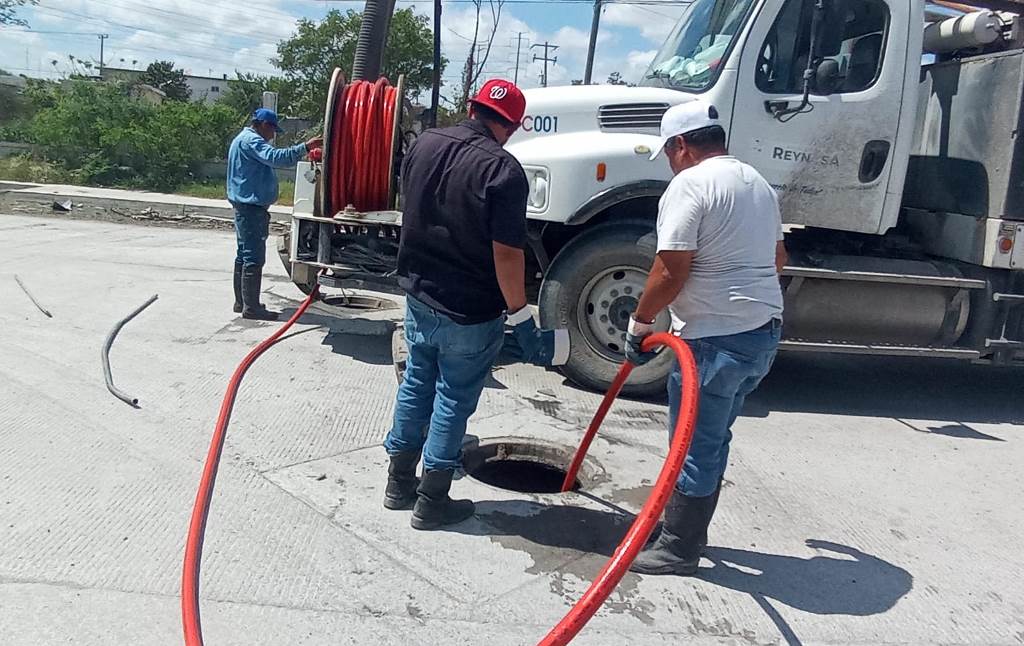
(693, 55)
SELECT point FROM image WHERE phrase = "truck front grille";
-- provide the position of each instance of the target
(632, 117)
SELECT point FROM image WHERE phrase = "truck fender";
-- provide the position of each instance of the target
(614, 195)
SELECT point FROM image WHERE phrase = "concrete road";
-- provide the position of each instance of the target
(867, 502)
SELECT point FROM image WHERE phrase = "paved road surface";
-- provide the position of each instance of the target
(868, 501)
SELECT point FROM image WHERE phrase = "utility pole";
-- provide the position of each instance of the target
(435, 90)
(547, 47)
(593, 42)
(519, 47)
(467, 76)
(103, 39)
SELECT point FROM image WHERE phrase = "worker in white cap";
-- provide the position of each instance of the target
(718, 258)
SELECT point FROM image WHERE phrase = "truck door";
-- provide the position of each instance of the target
(836, 156)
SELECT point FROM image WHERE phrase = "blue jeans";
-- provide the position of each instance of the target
(730, 368)
(252, 226)
(445, 373)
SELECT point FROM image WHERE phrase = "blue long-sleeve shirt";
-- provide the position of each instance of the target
(251, 164)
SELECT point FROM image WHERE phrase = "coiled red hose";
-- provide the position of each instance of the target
(197, 527)
(362, 133)
(641, 529)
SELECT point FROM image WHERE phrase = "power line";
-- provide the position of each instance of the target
(138, 28)
(205, 59)
(186, 18)
(60, 33)
(650, 11)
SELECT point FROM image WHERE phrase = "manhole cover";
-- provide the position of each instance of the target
(361, 303)
(523, 465)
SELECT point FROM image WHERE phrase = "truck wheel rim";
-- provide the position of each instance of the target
(606, 303)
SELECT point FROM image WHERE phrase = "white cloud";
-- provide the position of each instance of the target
(632, 67)
(23, 52)
(212, 38)
(571, 54)
(654, 21)
(204, 38)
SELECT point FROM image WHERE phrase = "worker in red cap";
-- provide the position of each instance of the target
(462, 266)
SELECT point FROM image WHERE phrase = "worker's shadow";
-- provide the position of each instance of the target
(842, 580)
(851, 582)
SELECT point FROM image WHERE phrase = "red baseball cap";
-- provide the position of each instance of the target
(504, 98)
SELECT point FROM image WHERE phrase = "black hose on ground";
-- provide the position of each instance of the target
(31, 297)
(128, 399)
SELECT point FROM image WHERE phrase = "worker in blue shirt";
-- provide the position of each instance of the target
(252, 188)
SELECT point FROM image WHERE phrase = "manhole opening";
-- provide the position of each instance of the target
(360, 303)
(524, 476)
(524, 466)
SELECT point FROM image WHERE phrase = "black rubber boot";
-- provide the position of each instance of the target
(678, 548)
(237, 309)
(434, 508)
(252, 309)
(711, 514)
(402, 481)
(703, 538)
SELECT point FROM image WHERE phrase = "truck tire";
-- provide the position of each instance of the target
(591, 288)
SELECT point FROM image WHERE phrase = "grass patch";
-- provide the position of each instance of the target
(216, 190)
(23, 168)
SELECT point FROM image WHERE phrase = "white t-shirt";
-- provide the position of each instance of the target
(725, 211)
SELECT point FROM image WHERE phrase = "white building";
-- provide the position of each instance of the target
(204, 88)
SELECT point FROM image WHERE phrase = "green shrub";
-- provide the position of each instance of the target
(105, 136)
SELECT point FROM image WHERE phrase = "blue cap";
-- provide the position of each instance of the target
(267, 115)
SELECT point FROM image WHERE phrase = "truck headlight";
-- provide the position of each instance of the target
(538, 180)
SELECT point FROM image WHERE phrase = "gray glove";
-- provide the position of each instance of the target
(537, 346)
(635, 335)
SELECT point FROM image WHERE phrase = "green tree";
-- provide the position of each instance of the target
(163, 76)
(310, 56)
(616, 79)
(245, 94)
(8, 8)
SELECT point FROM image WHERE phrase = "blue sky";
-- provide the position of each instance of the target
(216, 37)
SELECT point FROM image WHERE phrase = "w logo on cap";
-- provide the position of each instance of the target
(504, 98)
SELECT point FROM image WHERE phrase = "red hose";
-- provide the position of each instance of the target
(641, 529)
(197, 528)
(360, 150)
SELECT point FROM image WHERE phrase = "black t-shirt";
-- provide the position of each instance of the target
(461, 191)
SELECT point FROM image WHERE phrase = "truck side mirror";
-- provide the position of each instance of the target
(826, 77)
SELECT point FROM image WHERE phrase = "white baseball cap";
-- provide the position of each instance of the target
(686, 117)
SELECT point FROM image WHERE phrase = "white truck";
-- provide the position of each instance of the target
(889, 128)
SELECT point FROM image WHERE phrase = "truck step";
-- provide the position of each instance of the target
(1003, 343)
(360, 280)
(1012, 299)
(878, 349)
(882, 277)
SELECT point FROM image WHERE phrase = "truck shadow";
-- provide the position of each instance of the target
(838, 580)
(896, 387)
